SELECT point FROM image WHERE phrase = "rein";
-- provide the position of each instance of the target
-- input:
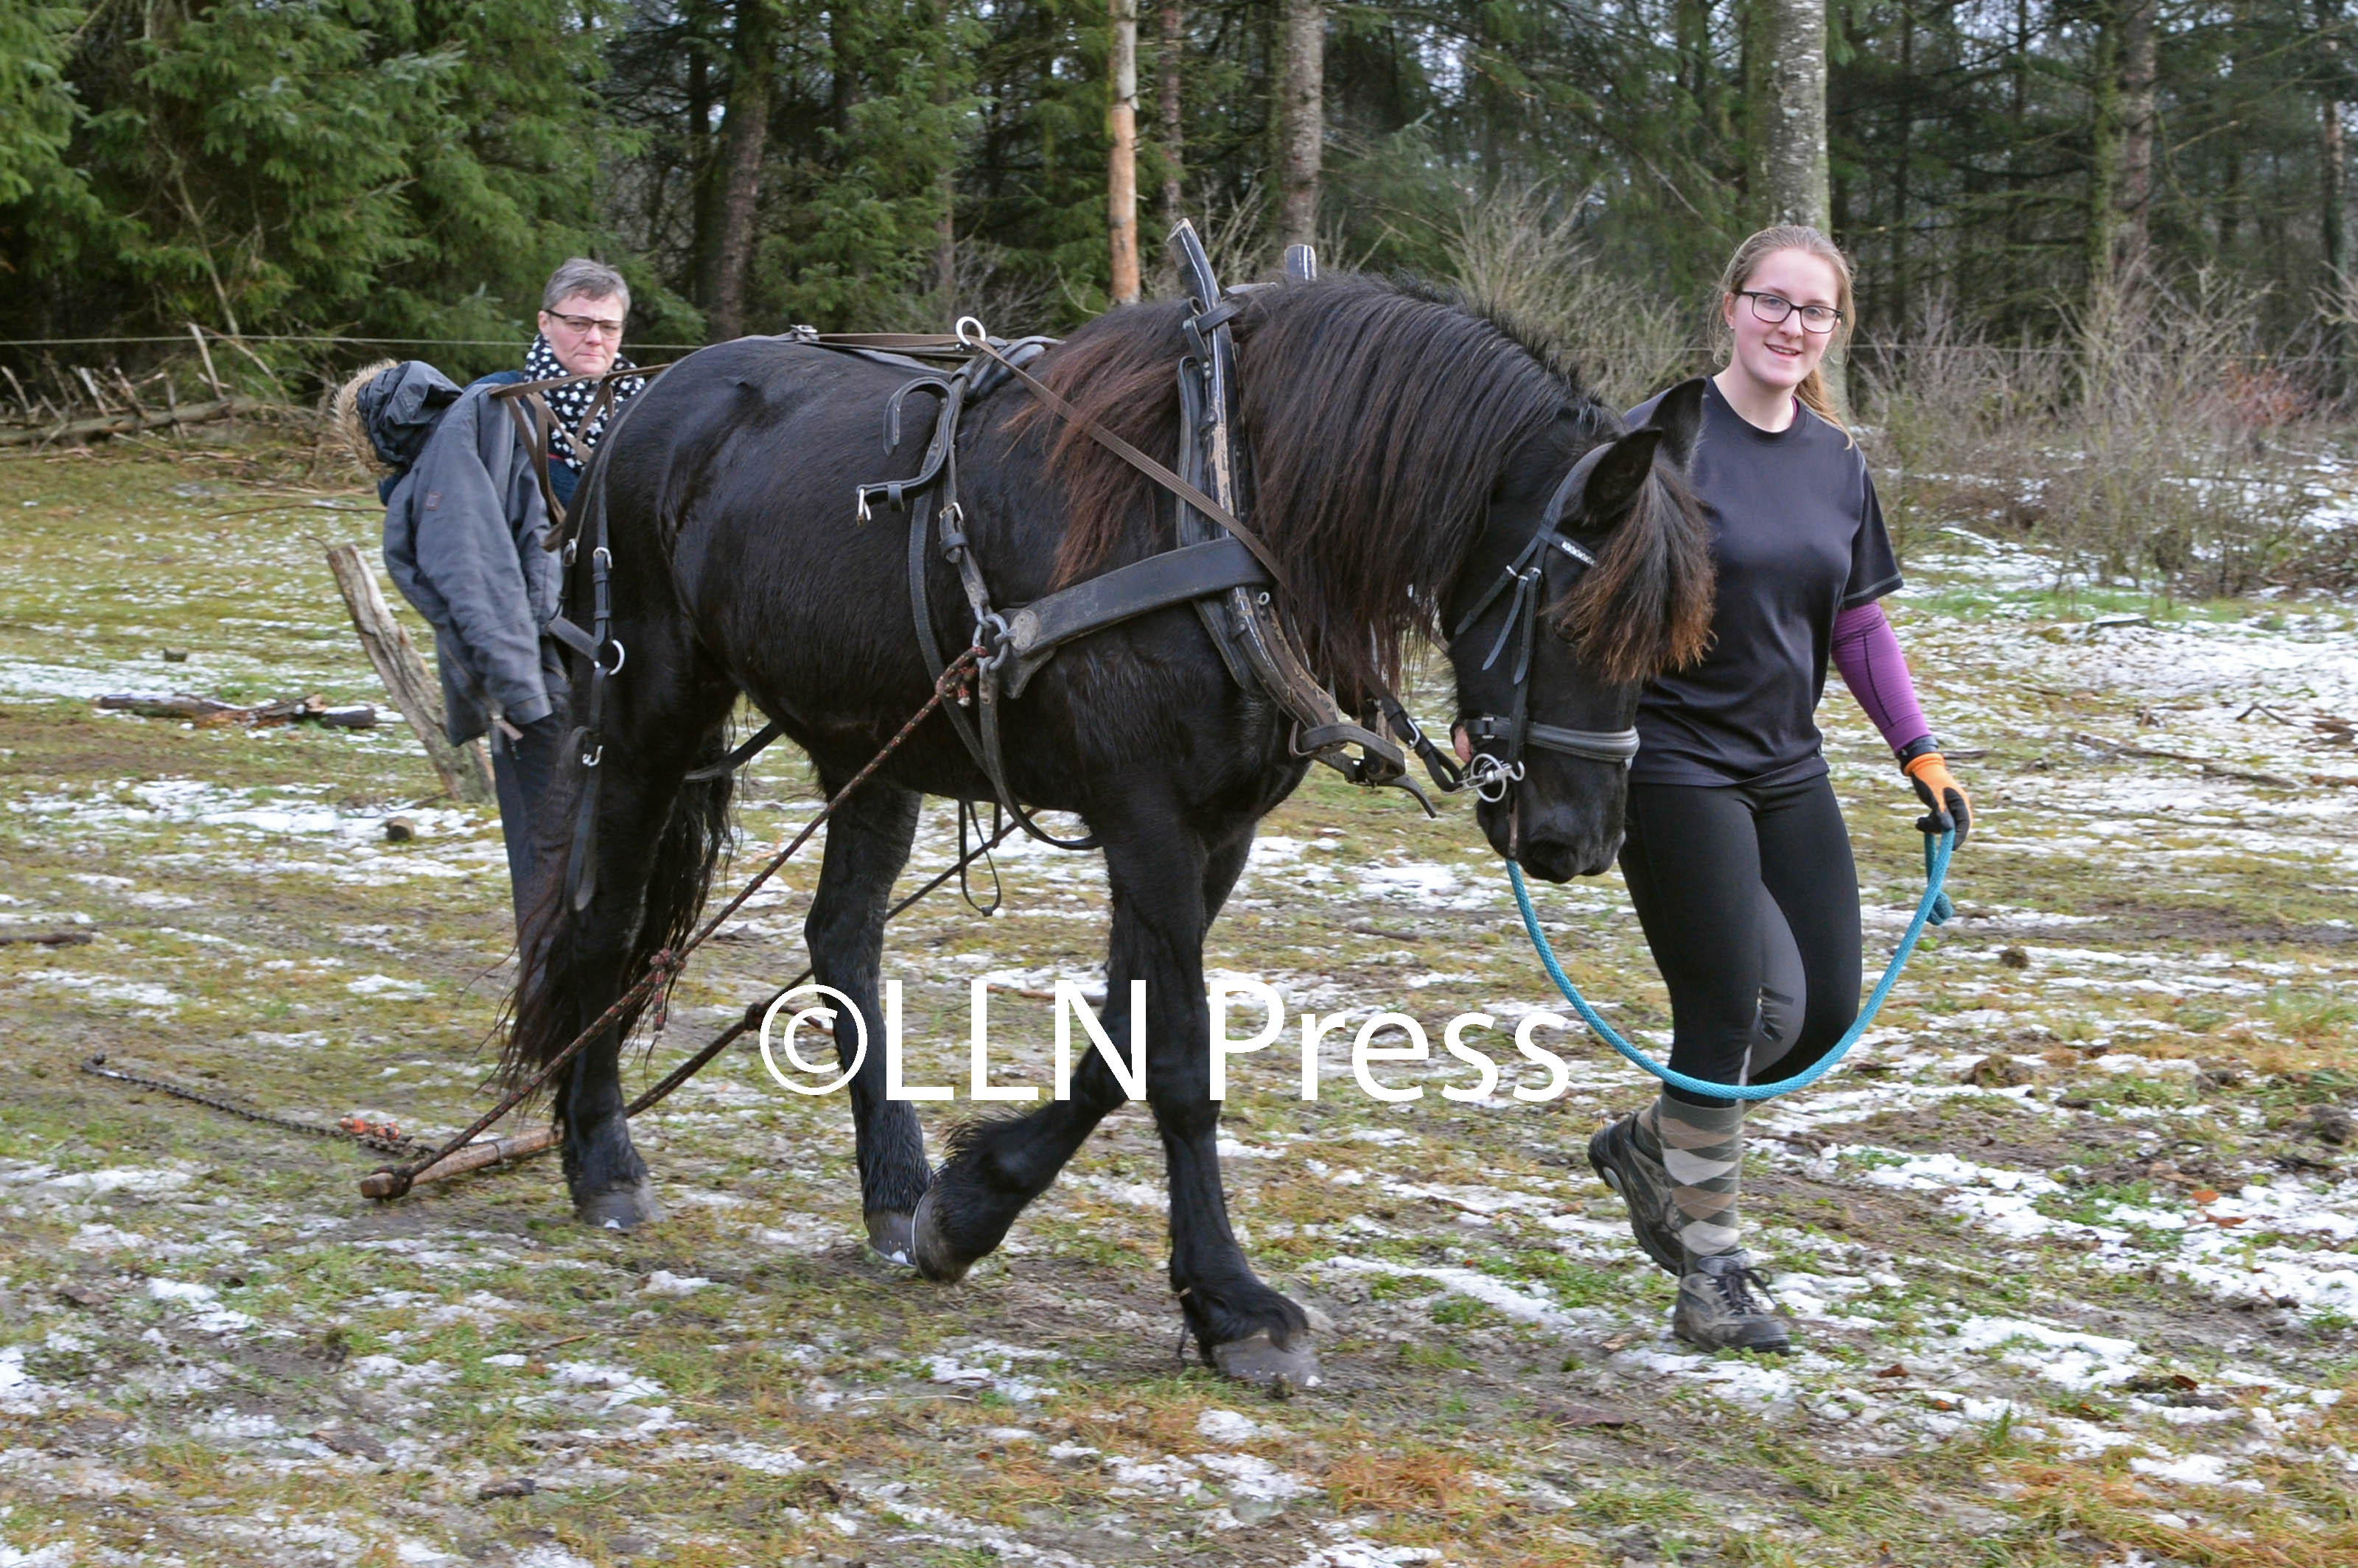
(1933, 909)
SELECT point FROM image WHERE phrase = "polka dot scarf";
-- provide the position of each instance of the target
(570, 402)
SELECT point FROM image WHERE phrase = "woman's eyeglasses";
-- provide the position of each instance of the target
(1774, 307)
(587, 325)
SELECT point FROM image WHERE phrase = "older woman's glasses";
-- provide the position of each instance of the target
(1774, 307)
(585, 326)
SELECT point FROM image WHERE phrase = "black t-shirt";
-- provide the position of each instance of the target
(1798, 537)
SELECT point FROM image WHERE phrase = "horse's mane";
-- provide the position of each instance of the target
(1378, 418)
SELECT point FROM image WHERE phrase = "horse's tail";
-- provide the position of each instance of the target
(572, 963)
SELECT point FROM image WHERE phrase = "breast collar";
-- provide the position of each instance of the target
(1498, 740)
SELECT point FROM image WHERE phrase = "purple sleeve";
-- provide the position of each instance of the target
(1872, 665)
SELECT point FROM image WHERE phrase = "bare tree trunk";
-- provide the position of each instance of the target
(1753, 55)
(2332, 221)
(744, 138)
(699, 139)
(946, 183)
(2103, 150)
(1121, 174)
(1898, 315)
(2018, 207)
(1300, 118)
(1793, 161)
(2137, 125)
(1166, 88)
(1692, 24)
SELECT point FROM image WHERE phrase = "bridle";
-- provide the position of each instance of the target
(1493, 772)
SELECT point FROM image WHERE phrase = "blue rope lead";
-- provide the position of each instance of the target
(1934, 910)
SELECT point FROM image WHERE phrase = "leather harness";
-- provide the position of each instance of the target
(1219, 566)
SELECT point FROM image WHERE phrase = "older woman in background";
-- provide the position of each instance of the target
(468, 533)
(582, 313)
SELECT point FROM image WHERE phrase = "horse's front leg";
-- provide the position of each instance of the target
(997, 1165)
(867, 845)
(1162, 909)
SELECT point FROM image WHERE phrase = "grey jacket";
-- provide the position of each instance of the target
(462, 539)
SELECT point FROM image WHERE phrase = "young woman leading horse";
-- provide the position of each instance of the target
(1737, 856)
(1403, 454)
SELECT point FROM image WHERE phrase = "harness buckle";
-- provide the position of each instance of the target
(622, 656)
(591, 759)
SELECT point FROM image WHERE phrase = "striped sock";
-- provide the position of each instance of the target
(1702, 1149)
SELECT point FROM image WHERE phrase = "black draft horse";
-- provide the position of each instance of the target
(1400, 449)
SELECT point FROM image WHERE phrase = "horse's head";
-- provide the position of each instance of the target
(1592, 574)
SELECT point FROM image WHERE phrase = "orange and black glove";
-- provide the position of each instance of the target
(1937, 787)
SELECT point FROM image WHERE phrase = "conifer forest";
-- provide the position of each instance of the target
(412, 169)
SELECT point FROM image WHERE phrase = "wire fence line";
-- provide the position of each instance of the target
(305, 338)
(1879, 347)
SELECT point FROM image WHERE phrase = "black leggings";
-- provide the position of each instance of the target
(1749, 899)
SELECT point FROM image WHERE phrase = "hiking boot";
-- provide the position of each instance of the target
(1723, 1305)
(1644, 1185)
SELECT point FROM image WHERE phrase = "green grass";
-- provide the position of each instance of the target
(803, 1344)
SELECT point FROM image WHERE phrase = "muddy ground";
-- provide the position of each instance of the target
(2073, 1247)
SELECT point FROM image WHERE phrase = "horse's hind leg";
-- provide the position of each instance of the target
(867, 845)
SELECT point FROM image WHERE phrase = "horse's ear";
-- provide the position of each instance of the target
(1679, 417)
(1613, 483)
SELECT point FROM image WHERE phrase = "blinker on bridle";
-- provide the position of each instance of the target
(1491, 774)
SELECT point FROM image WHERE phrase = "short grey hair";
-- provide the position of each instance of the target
(593, 280)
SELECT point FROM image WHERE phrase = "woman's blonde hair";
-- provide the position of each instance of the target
(1810, 242)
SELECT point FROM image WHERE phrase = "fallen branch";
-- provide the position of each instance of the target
(471, 1157)
(46, 938)
(311, 710)
(2249, 776)
(129, 424)
(465, 771)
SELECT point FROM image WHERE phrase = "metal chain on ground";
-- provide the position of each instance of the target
(383, 1137)
(666, 965)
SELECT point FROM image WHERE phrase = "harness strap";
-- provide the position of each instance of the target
(1191, 572)
(1443, 768)
(1596, 745)
(984, 746)
(532, 429)
(571, 636)
(743, 755)
(1139, 460)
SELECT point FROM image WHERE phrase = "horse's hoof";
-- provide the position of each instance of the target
(929, 1248)
(1255, 1359)
(893, 1234)
(621, 1208)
